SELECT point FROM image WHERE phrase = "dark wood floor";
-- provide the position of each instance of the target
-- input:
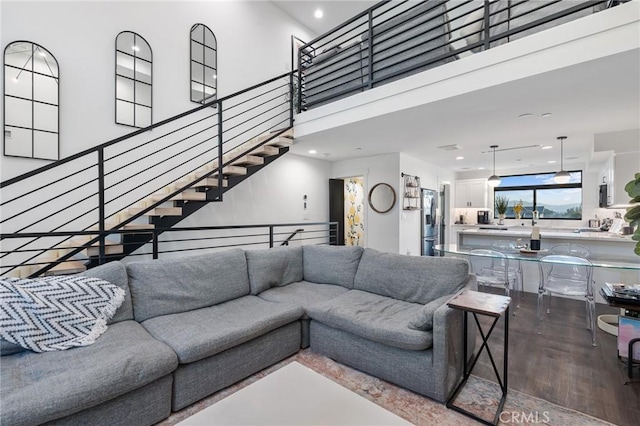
(560, 365)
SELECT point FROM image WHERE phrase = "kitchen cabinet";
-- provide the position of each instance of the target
(617, 171)
(471, 193)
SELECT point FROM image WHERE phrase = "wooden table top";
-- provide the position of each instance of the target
(481, 303)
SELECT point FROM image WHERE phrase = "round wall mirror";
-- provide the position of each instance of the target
(382, 197)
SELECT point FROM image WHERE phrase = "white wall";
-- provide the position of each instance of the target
(381, 229)
(253, 45)
(431, 177)
(273, 195)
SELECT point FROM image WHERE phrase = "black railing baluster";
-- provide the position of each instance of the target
(487, 26)
(270, 236)
(154, 244)
(101, 204)
(220, 152)
(370, 48)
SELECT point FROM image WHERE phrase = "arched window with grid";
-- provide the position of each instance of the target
(204, 64)
(134, 80)
(31, 107)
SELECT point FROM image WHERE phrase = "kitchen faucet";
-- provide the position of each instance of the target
(534, 216)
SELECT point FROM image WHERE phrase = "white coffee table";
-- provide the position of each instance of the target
(294, 395)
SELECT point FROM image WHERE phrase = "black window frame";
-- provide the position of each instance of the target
(205, 67)
(137, 38)
(32, 73)
(498, 189)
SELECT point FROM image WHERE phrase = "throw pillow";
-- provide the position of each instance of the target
(423, 319)
(56, 313)
(472, 31)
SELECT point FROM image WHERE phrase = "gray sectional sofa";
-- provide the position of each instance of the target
(192, 326)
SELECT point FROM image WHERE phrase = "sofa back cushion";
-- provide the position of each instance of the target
(273, 267)
(115, 273)
(415, 279)
(169, 286)
(331, 264)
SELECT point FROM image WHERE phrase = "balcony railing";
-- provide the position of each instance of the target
(395, 39)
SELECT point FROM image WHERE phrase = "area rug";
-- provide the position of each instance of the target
(478, 396)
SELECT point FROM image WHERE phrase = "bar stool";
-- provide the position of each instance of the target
(570, 276)
(514, 270)
(490, 268)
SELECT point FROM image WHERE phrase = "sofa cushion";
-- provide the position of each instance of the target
(115, 273)
(273, 267)
(217, 328)
(415, 279)
(303, 293)
(331, 264)
(423, 319)
(169, 286)
(374, 317)
(37, 387)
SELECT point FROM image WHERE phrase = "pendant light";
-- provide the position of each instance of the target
(562, 176)
(493, 179)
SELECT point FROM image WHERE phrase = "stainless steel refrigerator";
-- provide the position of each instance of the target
(430, 221)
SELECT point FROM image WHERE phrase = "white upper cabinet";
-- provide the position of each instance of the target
(471, 193)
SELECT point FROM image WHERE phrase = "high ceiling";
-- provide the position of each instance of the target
(594, 97)
(335, 12)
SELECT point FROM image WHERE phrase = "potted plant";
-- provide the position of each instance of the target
(502, 203)
(633, 213)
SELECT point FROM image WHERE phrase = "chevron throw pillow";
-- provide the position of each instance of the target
(56, 313)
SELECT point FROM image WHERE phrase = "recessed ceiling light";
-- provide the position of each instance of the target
(15, 79)
(215, 76)
(547, 147)
(313, 151)
(460, 157)
(526, 114)
(480, 168)
(318, 13)
(42, 54)
(136, 48)
(465, 168)
(546, 114)
(551, 161)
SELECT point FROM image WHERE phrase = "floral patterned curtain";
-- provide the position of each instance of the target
(354, 211)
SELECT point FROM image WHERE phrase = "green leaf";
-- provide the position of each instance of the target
(637, 250)
(633, 188)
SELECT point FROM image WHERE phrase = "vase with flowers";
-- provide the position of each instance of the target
(517, 209)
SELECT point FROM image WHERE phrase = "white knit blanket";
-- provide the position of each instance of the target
(56, 313)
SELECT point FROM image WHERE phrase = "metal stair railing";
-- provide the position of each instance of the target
(178, 240)
(91, 191)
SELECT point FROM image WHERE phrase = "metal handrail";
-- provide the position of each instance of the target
(324, 231)
(171, 174)
(370, 73)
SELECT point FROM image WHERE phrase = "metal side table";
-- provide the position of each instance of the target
(490, 305)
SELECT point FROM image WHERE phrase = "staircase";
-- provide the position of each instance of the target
(133, 204)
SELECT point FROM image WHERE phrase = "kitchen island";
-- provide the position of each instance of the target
(611, 253)
(603, 245)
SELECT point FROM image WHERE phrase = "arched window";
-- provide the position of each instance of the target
(134, 65)
(204, 64)
(31, 94)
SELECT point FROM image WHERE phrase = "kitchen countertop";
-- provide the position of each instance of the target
(560, 233)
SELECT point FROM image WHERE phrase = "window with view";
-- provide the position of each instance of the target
(541, 193)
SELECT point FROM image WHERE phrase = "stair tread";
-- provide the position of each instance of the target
(158, 211)
(207, 182)
(252, 160)
(67, 267)
(185, 195)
